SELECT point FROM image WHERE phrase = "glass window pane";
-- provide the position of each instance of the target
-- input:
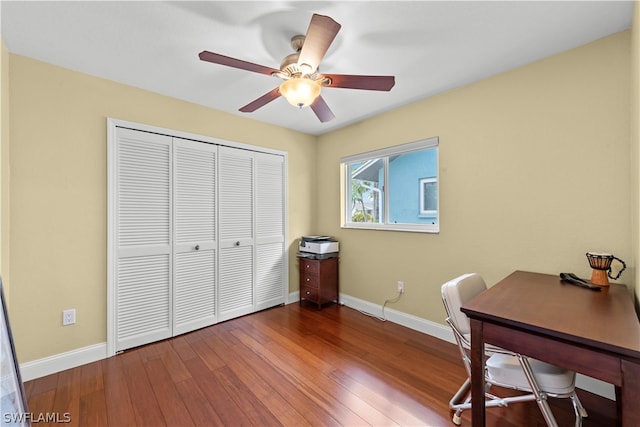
(429, 196)
(430, 193)
(406, 191)
(366, 190)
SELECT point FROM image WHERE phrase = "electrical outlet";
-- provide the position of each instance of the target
(69, 317)
(401, 287)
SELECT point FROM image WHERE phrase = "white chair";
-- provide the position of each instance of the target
(503, 368)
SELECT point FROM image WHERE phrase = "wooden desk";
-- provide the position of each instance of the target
(594, 333)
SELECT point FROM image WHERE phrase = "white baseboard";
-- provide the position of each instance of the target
(71, 359)
(60, 362)
(413, 322)
(596, 386)
(293, 297)
(438, 330)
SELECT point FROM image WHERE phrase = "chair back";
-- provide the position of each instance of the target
(457, 292)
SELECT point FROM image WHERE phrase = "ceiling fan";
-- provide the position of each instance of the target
(302, 81)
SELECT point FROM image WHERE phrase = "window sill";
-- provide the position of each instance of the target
(411, 228)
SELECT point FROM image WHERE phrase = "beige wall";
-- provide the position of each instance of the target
(59, 200)
(635, 141)
(534, 172)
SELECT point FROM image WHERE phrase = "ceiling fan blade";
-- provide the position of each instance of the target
(261, 102)
(320, 34)
(216, 58)
(384, 83)
(322, 110)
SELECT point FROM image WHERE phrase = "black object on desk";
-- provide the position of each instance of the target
(572, 279)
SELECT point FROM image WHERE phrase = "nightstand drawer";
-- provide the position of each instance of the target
(309, 267)
(309, 280)
(308, 293)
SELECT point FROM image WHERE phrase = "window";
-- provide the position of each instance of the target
(395, 188)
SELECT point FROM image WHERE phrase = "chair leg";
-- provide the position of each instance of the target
(541, 398)
(546, 411)
(460, 401)
(462, 392)
(456, 416)
(578, 405)
(578, 416)
(578, 409)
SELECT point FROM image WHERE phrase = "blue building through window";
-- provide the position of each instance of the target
(396, 189)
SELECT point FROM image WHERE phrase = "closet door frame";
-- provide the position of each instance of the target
(112, 125)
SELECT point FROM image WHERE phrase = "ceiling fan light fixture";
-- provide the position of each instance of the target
(300, 92)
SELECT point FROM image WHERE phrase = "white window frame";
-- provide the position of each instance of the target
(384, 154)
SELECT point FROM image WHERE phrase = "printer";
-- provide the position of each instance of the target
(318, 247)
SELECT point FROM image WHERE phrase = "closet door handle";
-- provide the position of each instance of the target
(197, 247)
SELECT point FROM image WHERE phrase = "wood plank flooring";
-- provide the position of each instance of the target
(292, 365)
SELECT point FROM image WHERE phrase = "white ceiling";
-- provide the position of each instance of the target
(430, 46)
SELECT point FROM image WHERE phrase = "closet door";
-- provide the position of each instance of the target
(236, 233)
(270, 236)
(194, 235)
(143, 238)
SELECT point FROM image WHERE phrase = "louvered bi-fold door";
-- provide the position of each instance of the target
(197, 233)
(194, 290)
(269, 206)
(236, 233)
(143, 238)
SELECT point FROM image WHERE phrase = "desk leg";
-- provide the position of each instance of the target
(477, 375)
(630, 393)
(618, 391)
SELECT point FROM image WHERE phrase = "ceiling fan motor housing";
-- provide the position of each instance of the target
(297, 42)
(289, 64)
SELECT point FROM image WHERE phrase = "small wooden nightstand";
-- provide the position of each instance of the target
(318, 280)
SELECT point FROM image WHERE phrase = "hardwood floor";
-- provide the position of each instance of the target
(292, 365)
